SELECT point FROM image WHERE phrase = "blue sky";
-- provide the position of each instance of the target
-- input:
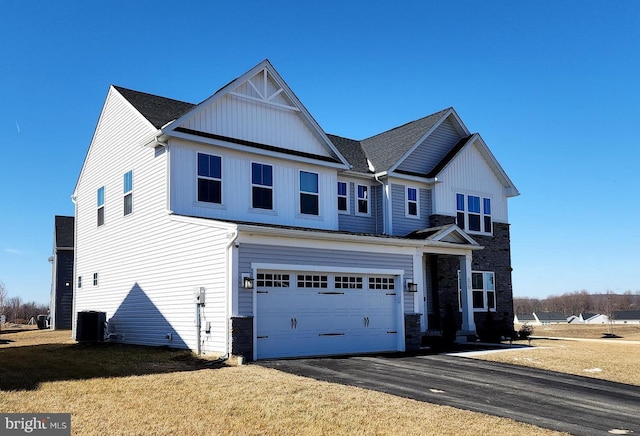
(552, 86)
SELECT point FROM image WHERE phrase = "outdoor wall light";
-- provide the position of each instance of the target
(247, 281)
(412, 287)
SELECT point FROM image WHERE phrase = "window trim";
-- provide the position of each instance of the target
(128, 193)
(198, 177)
(366, 199)
(310, 193)
(345, 196)
(100, 210)
(485, 291)
(256, 185)
(464, 213)
(407, 202)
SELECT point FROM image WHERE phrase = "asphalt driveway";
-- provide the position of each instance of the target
(578, 405)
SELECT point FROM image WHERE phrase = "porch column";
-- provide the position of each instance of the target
(468, 322)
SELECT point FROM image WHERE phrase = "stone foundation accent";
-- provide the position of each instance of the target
(242, 337)
(412, 334)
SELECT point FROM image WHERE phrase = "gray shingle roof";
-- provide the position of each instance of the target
(352, 151)
(383, 150)
(626, 314)
(386, 148)
(551, 316)
(64, 228)
(525, 317)
(158, 110)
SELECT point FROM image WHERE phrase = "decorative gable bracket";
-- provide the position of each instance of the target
(264, 88)
(450, 233)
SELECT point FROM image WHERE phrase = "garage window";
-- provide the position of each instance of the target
(312, 281)
(268, 280)
(348, 282)
(383, 283)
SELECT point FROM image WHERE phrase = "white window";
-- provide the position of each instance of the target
(348, 282)
(484, 291)
(100, 201)
(413, 203)
(95, 279)
(270, 280)
(384, 283)
(128, 192)
(79, 282)
(309, 194)
(473, 213)
(363, 200)
(312, 281)
(261, 186)
(343, 197)
(209, 178)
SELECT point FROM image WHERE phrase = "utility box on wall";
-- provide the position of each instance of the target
(198, 296)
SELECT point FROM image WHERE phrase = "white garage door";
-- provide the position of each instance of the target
(308, 314)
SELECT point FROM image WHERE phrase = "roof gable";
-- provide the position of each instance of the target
(449, 233)
(387, 149)
(258, 109)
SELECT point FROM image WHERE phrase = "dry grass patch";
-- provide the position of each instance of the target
(616, 362)
(629, 332)
(167, 392)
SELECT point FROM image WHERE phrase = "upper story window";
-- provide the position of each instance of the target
(100, 201)
(473, 213)
(483, 288)
(363, 200)
(95, 279)
(209, 178)
(309, 196)
(343, 197)
(412, 207)
(128, 192)
(79, 281)
(261, 186)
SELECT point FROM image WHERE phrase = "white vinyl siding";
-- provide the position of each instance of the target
(237, 201)
(148, 263)
(469, 173)
(248, 120)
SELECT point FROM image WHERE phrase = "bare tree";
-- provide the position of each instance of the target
(3, 297)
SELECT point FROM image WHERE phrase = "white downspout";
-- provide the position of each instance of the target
(230, 282)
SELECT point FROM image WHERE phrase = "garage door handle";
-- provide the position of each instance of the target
(294, 323)
(366, 321)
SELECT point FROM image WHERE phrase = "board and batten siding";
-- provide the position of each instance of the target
(434, 148)
(275, 254)
(147, 264)
(240, 118)
(236, 188)
(469, 173)
(352, 222)
(403, 225)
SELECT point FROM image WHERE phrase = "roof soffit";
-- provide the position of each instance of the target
(264, 85)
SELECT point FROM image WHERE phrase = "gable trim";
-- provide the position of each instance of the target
(265, 65)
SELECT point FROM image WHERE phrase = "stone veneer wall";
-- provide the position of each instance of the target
(412, 334)
(496, 257)
(242, 337)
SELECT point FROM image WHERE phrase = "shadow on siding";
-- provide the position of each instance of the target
(142, 323)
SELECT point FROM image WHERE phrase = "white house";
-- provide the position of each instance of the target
(239, 226)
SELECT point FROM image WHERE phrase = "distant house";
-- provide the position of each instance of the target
(62, 273)
(594, 318)
(521, 318)
(550, 318)
(626, 317)
(574, 320)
